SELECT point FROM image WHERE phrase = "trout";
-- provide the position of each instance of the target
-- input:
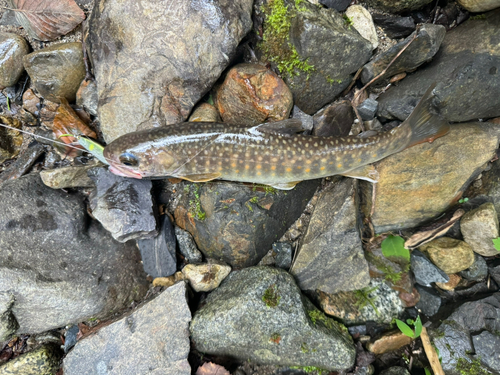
(272, 153)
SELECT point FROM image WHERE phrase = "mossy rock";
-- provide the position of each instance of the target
(41, 361)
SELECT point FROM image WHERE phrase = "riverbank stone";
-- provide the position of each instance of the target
(12, 50)
(479, 227)
(41, 361)
(449, 254)
(397, 6)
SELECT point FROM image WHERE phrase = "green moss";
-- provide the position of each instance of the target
(267, 189)
(195, 204)
(464, 367)
(318, 316)
(363, 298)
(348, 21)
(308, 369)
(303, 348)
(271, 297)
(478, 17)
(331, 80)
(276, 39)
(254, 199)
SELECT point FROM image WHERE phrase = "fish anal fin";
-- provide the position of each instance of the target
(201, 177)
(285, 185)
(366, 172)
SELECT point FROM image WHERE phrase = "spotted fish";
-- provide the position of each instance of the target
(268, 154)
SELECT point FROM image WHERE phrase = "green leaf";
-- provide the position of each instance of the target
(427, 371)
(393, 247)
(404, 328)
(496, 243)
(418, 327)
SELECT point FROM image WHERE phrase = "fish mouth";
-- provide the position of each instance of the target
(124, 172)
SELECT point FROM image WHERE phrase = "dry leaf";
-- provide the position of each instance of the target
(210, 368)
(47, 19)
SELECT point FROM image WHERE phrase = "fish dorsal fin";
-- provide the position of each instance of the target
(366, 172)
(285, 185)
(287, 127)
(200, 177)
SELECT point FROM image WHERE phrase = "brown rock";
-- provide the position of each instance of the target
(479, 227)
(68, 177)
(452, 284)
(10, 140)
(449, 254)
(12, 49)
(477, 6)
(168, 281)
(252, 94)
(205, 112)
(334, 121)
(87, 97)
(205, 277)
(389, 342)
(410, 299)
(31, 102)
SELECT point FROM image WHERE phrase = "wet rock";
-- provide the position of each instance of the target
(168, 281)
(479, 315)
(421, 182)
(449, 254)
(158, 253)
(395, 371)
(451, 284)
(70, 338)
(31, 102)
(68, 177)
(425, 272)
(368, 109)
(77, 271)
(339, 5)
(10, 140)
(495, 273)
(258, 313)
(284, 254)
(486, 346)
(377, 302)
(475, 6)
(8, 323)
(421, 50)
(187, 246)
(56, 71)
(430, 301)
(205, 113)
(397, 6)
(395, 27)
(307, 120)
(252, 94)
(479, 227)
(330, 257)
(87, 97)
(362, 21)
(153, 339)
(23, 163)
(13, 47)
(41, 361)
(334, 120)
(123, 206)
(389, 342)
(248, 220)
(205, 277)
(478, 271)
(466, 69)
(163, 61)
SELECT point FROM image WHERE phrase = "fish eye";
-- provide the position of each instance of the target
(128, 159)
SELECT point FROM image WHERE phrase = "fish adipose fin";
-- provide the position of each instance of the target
(287, 127)
(425, 126)
(366, 172)
(285, 185)
(202, 177)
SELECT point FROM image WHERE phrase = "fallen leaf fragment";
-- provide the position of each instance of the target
(210, 368)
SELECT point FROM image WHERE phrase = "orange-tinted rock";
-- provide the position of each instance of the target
(389, 342)
(31, 102)
(205, 112)
(410, 299)
(450, 285)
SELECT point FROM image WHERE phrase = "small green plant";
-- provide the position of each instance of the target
(348, 21)
(406, 330)
(271, 297)
(275, 338)
(363, 298)
(496, 243)
(427, 371)
(463, 200)
(393, 247)
(474, 367)
(195, 204)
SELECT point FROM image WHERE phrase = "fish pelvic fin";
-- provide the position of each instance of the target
(366, 172)
(201, 177)
(425, 126)
(285, 185)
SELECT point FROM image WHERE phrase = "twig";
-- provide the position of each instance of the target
(431, 353)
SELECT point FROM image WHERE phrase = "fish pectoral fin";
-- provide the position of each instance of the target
(285, 185)
(202, 177)
(287, 127)
(366, 172)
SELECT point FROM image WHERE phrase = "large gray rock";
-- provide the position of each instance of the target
(486, 345)
(479, 315)
(466, 69)
(479, 227)
(153, 61)
(61, 266)
(8, 323)
(41, 361)
(12, 49)
(259, 314)
(330, 257)
(154, 339)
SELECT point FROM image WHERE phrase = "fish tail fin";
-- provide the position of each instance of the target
(425, 126)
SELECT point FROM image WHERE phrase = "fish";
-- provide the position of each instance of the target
(274, 154)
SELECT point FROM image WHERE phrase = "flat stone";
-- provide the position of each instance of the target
(430, 301)
(8, 323)
(479, 227)
(449, 254)
(362, 21)
(477, 271)
(479, 315)
(204, 112)
(41, 361)
(259, 314)
(307, 120)
(23, 163)
(56, 71)
(330, 256)
(397, 6)
(335, 120)
(187, 246)
(486, 345)
(368, 109)
(389, 342)
(425, 271)
(205, 277)
(123, 206)
(421, 182)
(68, 177)
(395, 27)
(154, 339)
(476, 6)
(453, 343)
(87, 97)
(495, 273)
(451, 284)
(12, 50)
(339, 5)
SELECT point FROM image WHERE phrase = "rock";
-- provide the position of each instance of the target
(495, 273)
(421, 182)
(339, 5)
(168, 281)
(205, 277)
(205, 113)
(395, 371)
(334, 120)
(397, 6)
(123, 206)
(247, 220)
(362, 21)
(68, 177)
(377, 302)
(56, 71)
(77, 271)
(430, 301)
(87, 97)
(449, 254)
(478, 271)
(164, 61)
(476, 6)
(12, 49)
(23, 163)
(70, 338)
(421, 50)
(450, 284)
(252, 94)
(466, 69)
(479, 227)
(10, 140)
(479, 315)
(259, 314)
(368, 109)
(330, 256)
(316, 53)
(158, 253)
(389, 342)
(41, 361)
(307, 120)
(153, 339)
(425, 272)
(31, 102)
(486, 345)
(187, 246)
(8, 322)
(395, 27)
(284, 255)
